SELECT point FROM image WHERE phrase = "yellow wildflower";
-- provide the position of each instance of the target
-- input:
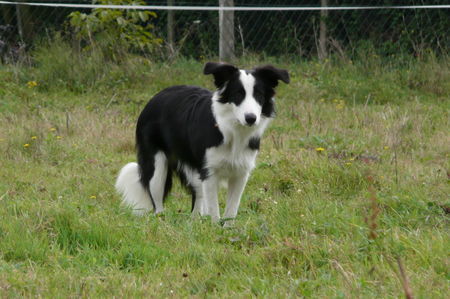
(32, 84)
(33, 137)
(319, 149)
(26, 145)
(340, 104)
(93, 197)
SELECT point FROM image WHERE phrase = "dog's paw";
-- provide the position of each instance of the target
(227, 222)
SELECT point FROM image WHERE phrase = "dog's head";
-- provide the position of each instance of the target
(248, 94)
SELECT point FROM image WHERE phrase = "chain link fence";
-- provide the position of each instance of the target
(196, 32)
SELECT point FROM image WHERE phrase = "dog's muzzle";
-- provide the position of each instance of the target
(250, 119)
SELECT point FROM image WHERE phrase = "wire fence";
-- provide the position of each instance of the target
(173, 28)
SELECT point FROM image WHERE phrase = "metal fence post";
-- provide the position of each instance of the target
(226, 29)
(24, 22)
(323, 53)
(170, 27)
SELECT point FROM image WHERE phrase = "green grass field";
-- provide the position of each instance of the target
(351, 185)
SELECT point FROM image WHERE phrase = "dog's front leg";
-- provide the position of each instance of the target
(236, 185)
(199, 205)
(210, 187)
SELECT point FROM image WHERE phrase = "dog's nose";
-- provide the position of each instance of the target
(250, 118)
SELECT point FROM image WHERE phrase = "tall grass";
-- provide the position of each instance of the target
(301, 228)
(56, 64)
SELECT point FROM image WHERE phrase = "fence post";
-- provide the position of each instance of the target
(170, 27)
(24, 24)
(19, 22)
(323, 53)
(226, 29)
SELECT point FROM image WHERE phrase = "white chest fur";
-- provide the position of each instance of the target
(231, 158)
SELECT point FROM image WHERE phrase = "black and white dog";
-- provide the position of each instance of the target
(205, 137)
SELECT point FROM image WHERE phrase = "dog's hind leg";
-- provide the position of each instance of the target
(191, 178)
(157, 184)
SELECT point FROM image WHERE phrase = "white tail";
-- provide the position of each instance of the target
(134, 195)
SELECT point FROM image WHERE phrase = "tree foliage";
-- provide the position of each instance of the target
(116, 30)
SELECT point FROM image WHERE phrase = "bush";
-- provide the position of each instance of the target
(116, 32)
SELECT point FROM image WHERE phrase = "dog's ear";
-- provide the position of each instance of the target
(222, 72)
(272, 74)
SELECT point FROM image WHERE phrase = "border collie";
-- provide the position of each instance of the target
(206, 138)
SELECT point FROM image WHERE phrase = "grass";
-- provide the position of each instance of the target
(352, 177)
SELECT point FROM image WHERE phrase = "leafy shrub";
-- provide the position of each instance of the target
(116, 31)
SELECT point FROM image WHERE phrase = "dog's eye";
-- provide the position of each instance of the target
(258, 93)
(240, 93)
